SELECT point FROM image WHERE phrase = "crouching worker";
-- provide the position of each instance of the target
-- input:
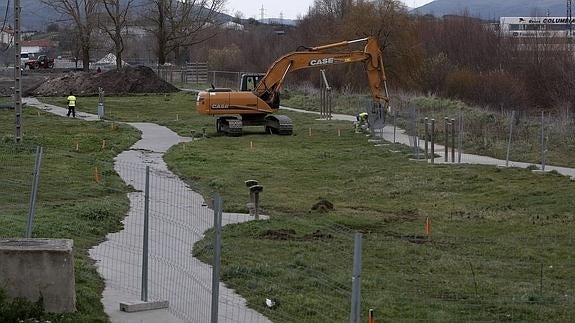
(362, 123)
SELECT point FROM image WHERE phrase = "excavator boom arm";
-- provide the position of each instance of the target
(319, 56)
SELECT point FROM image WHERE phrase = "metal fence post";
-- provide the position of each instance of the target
(144, 296)
(453, 140)
(33, 196)
(426, 120)
(460, 136)
(218, 206)
(355, 313)
(394, 124)
(542, 141)
(446, 157)
(416, 126)
(432, 141)
(509, 141)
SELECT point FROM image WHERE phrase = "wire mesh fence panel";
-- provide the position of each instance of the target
(225, 79)
(277, 275)
(454, 279)
(16, 169)
(178, 218)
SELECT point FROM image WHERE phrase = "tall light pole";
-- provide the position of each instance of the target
(569, 18)
(17, 71)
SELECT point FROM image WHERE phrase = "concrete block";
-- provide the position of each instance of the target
(34, 268)
(131, 307)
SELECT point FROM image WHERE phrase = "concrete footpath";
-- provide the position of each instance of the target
(189, 298)
(402, 138)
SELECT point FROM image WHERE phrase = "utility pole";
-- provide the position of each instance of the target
(17, 72)
(570, 18)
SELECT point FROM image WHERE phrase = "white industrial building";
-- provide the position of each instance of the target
(536, 26)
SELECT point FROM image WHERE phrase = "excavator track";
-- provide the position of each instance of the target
(280, 124)
(229, 126)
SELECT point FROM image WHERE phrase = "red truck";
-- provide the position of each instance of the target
(42, 61)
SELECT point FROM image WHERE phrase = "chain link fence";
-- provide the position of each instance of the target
(17, 169)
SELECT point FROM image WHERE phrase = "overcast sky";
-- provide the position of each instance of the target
(290, 8)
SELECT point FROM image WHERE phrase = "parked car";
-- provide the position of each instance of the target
(43, 61)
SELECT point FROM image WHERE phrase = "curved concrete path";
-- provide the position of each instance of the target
(118, 259)
(402, 138)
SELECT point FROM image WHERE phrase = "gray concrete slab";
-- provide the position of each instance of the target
(178, 219)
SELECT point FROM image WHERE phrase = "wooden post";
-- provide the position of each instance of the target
(96, 175)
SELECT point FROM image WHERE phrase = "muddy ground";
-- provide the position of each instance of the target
(61, 83)
(127, 81)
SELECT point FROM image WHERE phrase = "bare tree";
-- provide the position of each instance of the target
(83, 14)
(115, 22)
(179, 24)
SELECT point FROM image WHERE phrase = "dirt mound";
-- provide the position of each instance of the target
(322, 206)
(139, 79)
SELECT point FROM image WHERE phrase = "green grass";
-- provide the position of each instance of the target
(490, 226)
(71, 204)
(486, 132)
(176, 111)
(501, 246)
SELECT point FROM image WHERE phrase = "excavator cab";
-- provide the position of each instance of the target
(250, 81)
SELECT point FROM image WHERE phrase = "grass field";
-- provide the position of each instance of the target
(496, 227)
(176, 111)
(501, 244)
(486, 131)
(71, 204)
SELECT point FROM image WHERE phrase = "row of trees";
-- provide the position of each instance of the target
(459, 56)
(174, 24)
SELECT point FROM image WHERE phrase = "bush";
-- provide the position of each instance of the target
(18, 309)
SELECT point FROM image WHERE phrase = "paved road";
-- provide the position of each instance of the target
(403, 138)
(178, 218)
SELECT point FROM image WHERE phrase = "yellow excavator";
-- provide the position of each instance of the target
(259, 95)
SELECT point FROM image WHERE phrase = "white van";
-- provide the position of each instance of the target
(25, 57)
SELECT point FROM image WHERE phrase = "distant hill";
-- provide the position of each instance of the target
(493, 9)
(35, 14)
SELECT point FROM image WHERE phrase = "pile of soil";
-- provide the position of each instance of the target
(129, 80)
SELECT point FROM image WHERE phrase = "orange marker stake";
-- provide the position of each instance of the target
(371, 317)
(96, 175)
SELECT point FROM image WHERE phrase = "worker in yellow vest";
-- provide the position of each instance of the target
(71, 105)
(362, 123)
